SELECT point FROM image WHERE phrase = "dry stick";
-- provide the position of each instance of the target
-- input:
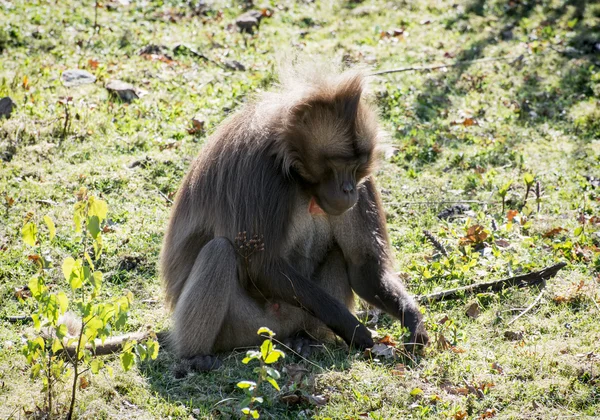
(436, 244)
(537, 299)
(524, 280)
(110, 345)
(441, 66)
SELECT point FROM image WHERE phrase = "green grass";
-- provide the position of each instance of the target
(539, 114)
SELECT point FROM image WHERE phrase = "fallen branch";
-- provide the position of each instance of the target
(524, 280)
(441, 66)
(111, 345)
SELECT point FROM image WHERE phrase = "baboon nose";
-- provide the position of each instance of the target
(348, 187)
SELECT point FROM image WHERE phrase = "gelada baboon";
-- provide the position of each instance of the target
(293, 171)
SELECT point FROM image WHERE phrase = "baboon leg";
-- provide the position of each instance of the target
(204, 301)
(215, 313)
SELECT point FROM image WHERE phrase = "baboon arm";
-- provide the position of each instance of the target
(293, 288)
(361, 234)
(380, 287)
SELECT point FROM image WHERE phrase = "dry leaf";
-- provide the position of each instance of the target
(488, 414)
(22, 293)
(473, 311)
(443, 320)
(197, 125)
(387, 340)
(513, 336)
(496, 366)
(442, 342)
(511, 215)
(399, 370)
(462, 414)
(296, 372)
(502, 243)
(553, 232)
(93, 63)
(83, 382)
(381, 350)
(476, 234)
(318, 400)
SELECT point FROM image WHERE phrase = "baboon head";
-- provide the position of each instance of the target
(331, 135)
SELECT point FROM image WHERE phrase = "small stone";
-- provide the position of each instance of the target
(7, 106)
(248, 21)
(77, 77)
(234, 65)
(121, 90)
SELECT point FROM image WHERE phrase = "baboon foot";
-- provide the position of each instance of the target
(303, 345)
(196, 364)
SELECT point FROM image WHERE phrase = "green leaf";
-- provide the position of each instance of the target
(127, 360)
(266, 348)
(274, 356)
(246, 384)
(504, 190)
(257, 399)
(61, 331)
(73, 273)
(29, 233)
(152, 347)
(56, 345)
(96, 365)
(51, 226)
(273, 373)
(416, 392)
(36, 287)
(36, 321)
(96, 280)
(251, 355)
(528, 178)
(93, 226)
(63, 302)
(578, 231)
(97, 208)
(67, 267)
(88, 260)
(78, 215)
(265, 330)
(273, 382)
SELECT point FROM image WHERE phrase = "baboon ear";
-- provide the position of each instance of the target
(347, 97)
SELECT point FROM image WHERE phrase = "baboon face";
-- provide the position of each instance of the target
(337, 190)
(336, 156)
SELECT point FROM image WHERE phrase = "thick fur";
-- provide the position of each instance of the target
(257, 174)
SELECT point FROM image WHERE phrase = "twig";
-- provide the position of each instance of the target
(524, 280)
(19, 318)
(441, 66)
(436, 244)
(111, 345)
(537, 299)
(163, 195)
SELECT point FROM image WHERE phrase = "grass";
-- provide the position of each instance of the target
(461, 133)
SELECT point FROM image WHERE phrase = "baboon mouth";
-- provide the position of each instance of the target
(314, 208)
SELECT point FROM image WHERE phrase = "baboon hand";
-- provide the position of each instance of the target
(360, 337)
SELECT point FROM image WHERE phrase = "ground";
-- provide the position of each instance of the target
(458, 135)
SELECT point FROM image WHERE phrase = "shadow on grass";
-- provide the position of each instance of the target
(538, 101)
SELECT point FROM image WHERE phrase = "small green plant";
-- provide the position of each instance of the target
(57, 354)
(502, 193)
(267, 355)
(529, 181)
